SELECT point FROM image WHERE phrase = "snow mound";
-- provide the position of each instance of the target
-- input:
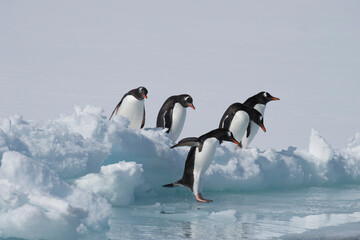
(36, 203)
(116, 182)
(60, 177)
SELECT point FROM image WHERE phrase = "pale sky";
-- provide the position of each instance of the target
(57, 54)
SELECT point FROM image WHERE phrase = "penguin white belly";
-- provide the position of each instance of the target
(133, 109)
(239, 124)
(245, 141)
(178, 120)
(202, 162)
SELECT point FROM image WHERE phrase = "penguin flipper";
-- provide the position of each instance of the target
(117, 107)
(226, 121)
(164, 119)
(190, 142)
(168, 119)
(248, 130)
(115, 110)
(143, 120)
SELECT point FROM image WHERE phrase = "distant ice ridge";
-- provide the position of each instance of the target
(65, 174)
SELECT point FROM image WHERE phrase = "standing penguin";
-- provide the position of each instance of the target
(237, 119)
(257, 102)
(199, 158)
(132, 107)
(172, 114)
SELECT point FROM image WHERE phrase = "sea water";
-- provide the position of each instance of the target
(308, 213)
(84, 177)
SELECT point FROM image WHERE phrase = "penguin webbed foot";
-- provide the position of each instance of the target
(200, 198)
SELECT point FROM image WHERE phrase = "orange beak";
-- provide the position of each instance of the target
(144, 96)
(275, 98)
(236, 142)
(263, 128)
(192, 106)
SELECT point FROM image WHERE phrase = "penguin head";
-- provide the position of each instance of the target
(223, 134)
(141, 93)
(186, 101)
(265, 97)
(257, 118)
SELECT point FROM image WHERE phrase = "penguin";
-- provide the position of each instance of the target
(257, 102)
(237, 119)
(172, 114)
(199, 158)
(132, 107)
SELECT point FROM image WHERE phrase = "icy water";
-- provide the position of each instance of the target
(309, 213)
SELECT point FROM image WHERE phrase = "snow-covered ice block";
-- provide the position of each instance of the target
(115, 182)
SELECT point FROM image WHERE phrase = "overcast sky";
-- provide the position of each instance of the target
(57, 54)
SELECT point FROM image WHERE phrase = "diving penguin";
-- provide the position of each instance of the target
(257, 102)
(132, 107)
(172, 114)
(199, 158)
(237, 119)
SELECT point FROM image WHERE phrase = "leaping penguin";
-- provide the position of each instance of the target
(237, 118)
(172, 114)
(132, 107)
(257, 102)
(199, 158)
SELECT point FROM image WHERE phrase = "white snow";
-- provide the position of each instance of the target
(116, 182)
(36, 203)
(65, 174)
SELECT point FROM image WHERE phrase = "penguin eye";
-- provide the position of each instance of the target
(229, 134)
(261, 118)
(186, 98)
(265, 94)
(140, 89)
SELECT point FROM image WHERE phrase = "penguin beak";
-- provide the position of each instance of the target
(275, 98)
(236, 142)
(192, 106)
(263, 127)
(144, 96)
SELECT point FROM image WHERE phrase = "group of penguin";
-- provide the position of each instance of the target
(239, 124)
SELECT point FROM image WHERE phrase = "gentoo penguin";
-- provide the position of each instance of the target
(199, 158)
(237, 119)
(257, 102)
(172, 114)
(132, 107)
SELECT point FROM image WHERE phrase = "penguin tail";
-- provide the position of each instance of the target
(172, 185)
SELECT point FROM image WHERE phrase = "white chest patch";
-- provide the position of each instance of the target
(239, 124)
(245, 141)
(203, 160)
(260, 108)
(178, 120)
(133, 109)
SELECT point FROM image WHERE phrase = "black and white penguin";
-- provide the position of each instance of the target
(199, 158)
(237, 119)
(257, 102)
(172, 114)
(132, 107)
